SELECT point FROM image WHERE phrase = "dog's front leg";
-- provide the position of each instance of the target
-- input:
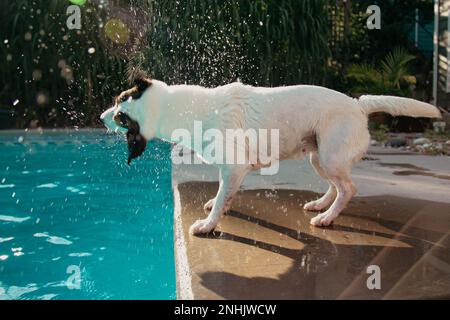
(231, 178)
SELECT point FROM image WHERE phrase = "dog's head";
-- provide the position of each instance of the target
(128, 115)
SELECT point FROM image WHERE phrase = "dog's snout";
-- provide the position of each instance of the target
(106, 115)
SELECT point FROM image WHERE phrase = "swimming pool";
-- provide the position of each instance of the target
(76, 222)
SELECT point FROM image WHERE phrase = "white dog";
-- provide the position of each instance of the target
(328, 125)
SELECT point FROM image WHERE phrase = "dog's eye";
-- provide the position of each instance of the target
(125, 98)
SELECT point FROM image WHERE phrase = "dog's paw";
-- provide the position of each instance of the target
(312, 206)
(209, 205)
(202, 227)
(321, 220)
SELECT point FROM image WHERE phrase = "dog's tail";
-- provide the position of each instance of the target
(398, 106)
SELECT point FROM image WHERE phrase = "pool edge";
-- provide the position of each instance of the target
(182, 270)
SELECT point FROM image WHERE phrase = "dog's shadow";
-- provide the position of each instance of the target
(321, 269)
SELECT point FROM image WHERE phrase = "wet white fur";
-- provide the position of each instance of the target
(338, 122)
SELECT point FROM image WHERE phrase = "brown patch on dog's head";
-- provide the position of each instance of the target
(139, 80)
(141, 83)
(139, 87)
(136, 142)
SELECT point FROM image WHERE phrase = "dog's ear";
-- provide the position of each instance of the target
(142, 83)
(140, 80)
(136, 142)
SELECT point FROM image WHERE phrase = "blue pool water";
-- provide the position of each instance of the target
(76, 222)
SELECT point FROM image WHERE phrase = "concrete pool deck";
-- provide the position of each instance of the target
(265, 248)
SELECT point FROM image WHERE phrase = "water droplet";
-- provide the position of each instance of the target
(41, 99)
(37, 74)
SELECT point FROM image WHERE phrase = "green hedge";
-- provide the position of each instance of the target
(58, 82)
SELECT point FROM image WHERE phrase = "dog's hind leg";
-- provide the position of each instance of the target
(230, 180)
(329, 196)
(340, 147)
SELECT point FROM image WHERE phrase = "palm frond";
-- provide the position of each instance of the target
(395, 65)
(364, 73)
